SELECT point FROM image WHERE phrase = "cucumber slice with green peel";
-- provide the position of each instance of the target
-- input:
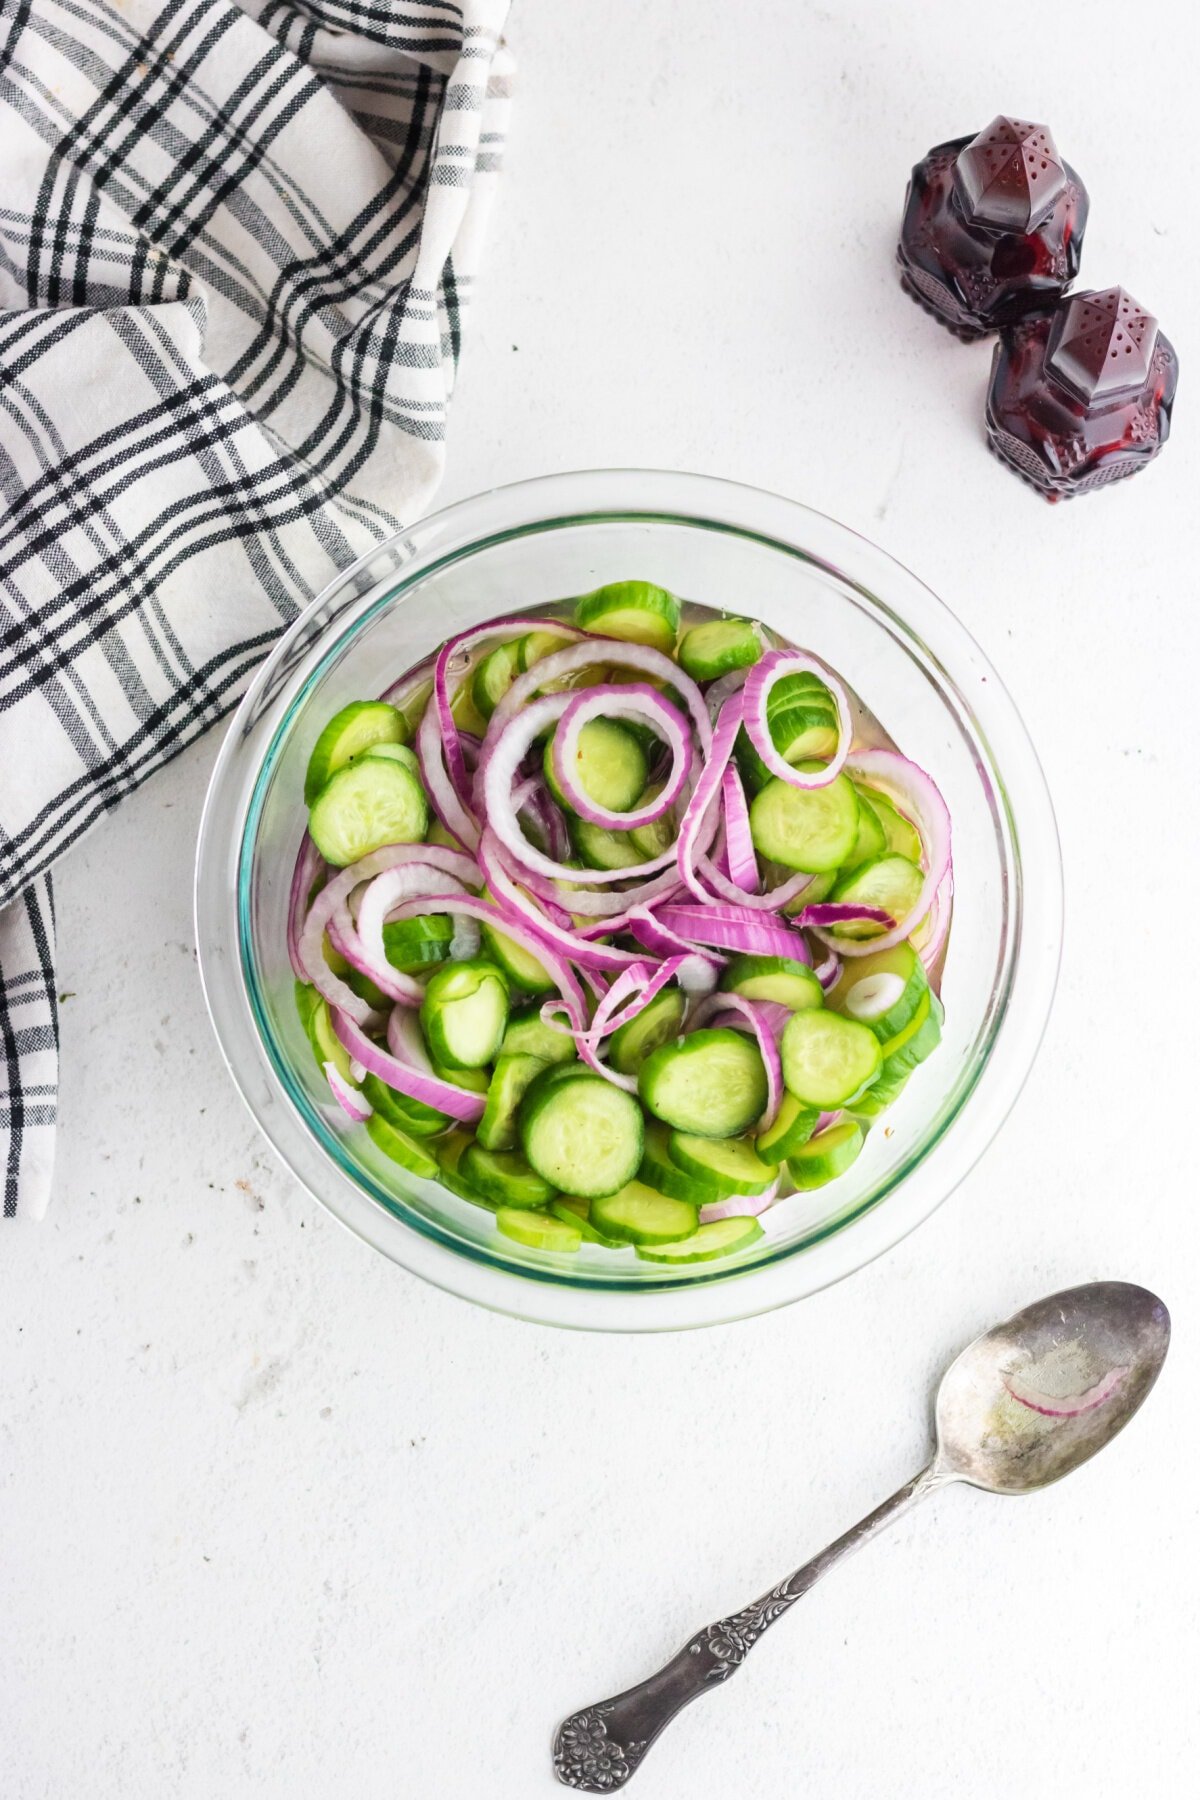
(817, 889)
(538, 1231)
(365, 805)
(660, 834)
(810, 829)
(414, 945)
(365, 988)
(660, 1172)
(355, 729)
(599, 848)
(791, 1128)
(401, 1148)
(870, 841)
(894, 1074)
(412, 709)
(890, 1046)
(711, 1082)
(400, 753)
(495, 675)
(476, 1081)
(637, 612)
(407, 1115)
(511, 1080)
(827, 1155)
(307, 999)
(883, 990)
(775, 978)
(658, 1022)
(504, 1177)
(448, 1152)
(890, 881)
(610, 766)
(464, 1013)
(827, 1060)
(721, 1237)
(535, 645)
(465, 713)
(637, 1215)
(733, 1162)
(574, 1211)
(527, 1031)
(719, 646)
(327, 1045)
(525, 973)
(898, 834)
(581, 1134)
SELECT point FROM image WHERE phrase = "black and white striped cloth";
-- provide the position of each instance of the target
(236, 243)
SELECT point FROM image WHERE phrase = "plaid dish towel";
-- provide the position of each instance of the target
(236, 241)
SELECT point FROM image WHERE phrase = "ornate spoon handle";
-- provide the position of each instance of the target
(599, 1748)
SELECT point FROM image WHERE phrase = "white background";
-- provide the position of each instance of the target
(277, 1520)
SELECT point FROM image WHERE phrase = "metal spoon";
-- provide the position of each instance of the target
(1020, 1407)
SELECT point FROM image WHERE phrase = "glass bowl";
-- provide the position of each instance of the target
(725, 546)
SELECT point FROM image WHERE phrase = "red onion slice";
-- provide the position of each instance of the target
(384, 893)
(431, 1090)
(919, 798)
(828, 971)
(759, 682)
(938, 921)
(642, 703)
(735, 928)
(739, 845)
(460, 647)
(740, 1206)
(701, 816)
(519, 909)
(844, 912)
(309, 864)
(443, 796)
(347, 1097)
(613, 652)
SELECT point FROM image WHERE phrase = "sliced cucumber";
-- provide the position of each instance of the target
(891, 1046)
(870, 841)
(711, 1083)
(827, 1155)
(464, 1013)
(535, 645)
(610, 766)
(581, 1134)
(599, 848)
(307, 998)
(635, 611)
(901, 1063)
(734, 1163)
(775, 978)
(890, 881)
(883, 990)
(817, 889)
(898, 834)
(660, 834)
(721, 1237)
(575, 1211)
(719, 646)
(476, 1081)
(637, 1215)
(400, 1147)
(327, 1045)
(660, 1172)
(526, 1031)
(656, 1024)
(365, 805)
(495, 675)
(812, 829)
(504, 1177)
(448, 1151)
(465, 713)
(525, 973)
(406, 1114)
(348, 734)
(537, 1231)
(511, 1080)
(827, 1060)
(791, 1127)
(414, 945)
(400, 753)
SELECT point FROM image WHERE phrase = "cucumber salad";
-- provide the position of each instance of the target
(621, 921)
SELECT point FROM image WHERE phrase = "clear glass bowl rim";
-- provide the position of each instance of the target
(596, 496)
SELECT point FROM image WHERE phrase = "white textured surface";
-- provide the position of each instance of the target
(277, 1520)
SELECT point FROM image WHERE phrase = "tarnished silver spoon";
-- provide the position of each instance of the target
(1019, 1408)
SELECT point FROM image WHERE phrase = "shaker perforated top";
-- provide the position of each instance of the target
(1010, 175)
(1102, 345)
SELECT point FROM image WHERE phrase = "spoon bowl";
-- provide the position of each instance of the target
(1035, 1397)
